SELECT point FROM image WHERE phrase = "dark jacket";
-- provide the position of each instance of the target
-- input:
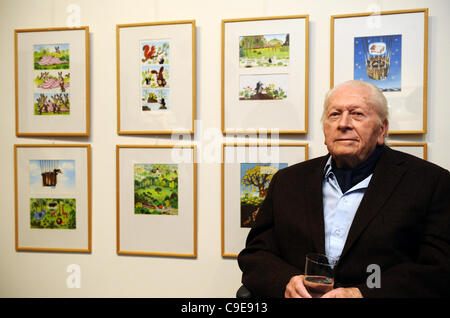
(402, 225)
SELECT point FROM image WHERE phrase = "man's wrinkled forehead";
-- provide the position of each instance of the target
(350, 96)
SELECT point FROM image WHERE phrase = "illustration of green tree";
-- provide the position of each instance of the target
(255, 178)
(251, 42)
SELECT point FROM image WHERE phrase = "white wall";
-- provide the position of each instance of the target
(103, 273)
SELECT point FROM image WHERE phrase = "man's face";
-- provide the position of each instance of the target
(351, 126)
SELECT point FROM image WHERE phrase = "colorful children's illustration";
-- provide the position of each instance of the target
(51, 104)
(378, 59)
(156, 189)
(154, 99)
(52, 81)
(266, 50)
(51, 84)
(255, 179)
(263, 87)
(155, 52)
(155, 74)
(49, 213)
(52, 175)
(51, 56)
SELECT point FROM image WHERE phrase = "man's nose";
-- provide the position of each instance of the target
(345, 122)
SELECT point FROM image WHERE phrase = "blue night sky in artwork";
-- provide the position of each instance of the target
(393, 81)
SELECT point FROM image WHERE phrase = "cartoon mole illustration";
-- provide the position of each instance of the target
(163, 104)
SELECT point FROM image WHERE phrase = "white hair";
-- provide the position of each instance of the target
(376, 98)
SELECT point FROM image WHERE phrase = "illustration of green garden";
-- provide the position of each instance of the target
(264, 50)
(156, 189)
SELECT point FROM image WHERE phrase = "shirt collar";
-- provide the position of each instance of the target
(327, 168)
(328, 173)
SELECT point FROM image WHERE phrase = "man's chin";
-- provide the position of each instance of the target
(344, 151)
(340, 157)
(345, 155)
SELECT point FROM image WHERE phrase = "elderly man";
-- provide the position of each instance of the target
(363, 203)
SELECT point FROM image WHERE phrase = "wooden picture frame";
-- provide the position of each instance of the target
(265, 72)
(156, 77)
(418, 149)
(52, 88)
(243, 166)
(156, 200)
(53, 198)
(390, 50)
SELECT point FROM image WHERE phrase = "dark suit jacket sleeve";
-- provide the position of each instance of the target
(264, 272)
(426, 272)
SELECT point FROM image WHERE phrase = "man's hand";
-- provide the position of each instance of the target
(351, 292)
(296, 288)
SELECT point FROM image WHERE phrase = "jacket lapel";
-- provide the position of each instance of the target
(386, 176)
(314, 206)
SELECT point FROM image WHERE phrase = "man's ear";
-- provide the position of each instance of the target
(383, 132)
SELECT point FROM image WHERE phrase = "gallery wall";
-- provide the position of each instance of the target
(103, 273)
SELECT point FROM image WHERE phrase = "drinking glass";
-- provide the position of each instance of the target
(319, 274)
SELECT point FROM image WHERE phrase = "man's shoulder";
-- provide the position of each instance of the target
(413, 162)
(305, 167)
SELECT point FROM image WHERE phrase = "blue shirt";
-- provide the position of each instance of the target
(339, 210)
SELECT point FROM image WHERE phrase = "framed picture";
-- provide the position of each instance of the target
(265, 74)
(390, 50)
(156, 90)
(418, 149)
(52, 81)
(247, 170)
(156, 200)
(53, 198)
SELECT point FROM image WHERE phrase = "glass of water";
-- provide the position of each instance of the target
(319, 274)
